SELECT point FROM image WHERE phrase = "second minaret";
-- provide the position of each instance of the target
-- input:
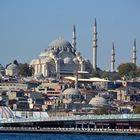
(74, 37)
(134, 57)
(113, 58)
(95, 46)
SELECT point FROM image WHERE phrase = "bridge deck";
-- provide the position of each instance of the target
(121, 117)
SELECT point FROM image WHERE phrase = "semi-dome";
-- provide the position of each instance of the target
(75, 60)
(43, 54)
(59, 43)
(71, 91)
(48, 59)
(34, 61)
(12, 66)
(98, 101)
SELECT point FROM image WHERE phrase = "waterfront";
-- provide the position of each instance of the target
(30, 136)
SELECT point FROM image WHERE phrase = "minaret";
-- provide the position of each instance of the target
(76, 79)
(74, 37)
(134, 53)
(95, 46)
(113, 58)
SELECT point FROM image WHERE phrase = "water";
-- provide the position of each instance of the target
(30, 136)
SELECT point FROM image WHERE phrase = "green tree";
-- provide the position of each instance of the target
(137, 110)
(116, 76)
(138, 72)
(105, 75)
(101, 111)
(96, 74)
(128, 70)
(15, 62)
(25, 70)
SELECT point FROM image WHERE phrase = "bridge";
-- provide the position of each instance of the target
(118, 123)
(102, 118)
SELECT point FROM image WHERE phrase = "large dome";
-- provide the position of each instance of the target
(59, 43)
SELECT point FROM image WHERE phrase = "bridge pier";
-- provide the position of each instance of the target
(76, 126)
(82, 126)
(88, 126)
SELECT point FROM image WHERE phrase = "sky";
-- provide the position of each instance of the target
(28, 26)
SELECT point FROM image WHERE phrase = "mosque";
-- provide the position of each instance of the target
(61, 59)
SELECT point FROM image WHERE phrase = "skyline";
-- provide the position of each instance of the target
(27, 28)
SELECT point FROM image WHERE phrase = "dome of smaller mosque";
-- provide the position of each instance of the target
(98, 101)
(12, 66)
(71, 91)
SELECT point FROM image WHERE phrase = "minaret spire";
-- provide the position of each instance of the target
(95, 46)
(113, 58)
(74, 37)
(134, 58)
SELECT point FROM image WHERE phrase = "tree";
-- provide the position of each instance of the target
(129, 70)
(101, 111)
(138, 72)
(137, 110)
(116, 76)
(96, 74)
(15, 62)
(105, 75)
(25, 70)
